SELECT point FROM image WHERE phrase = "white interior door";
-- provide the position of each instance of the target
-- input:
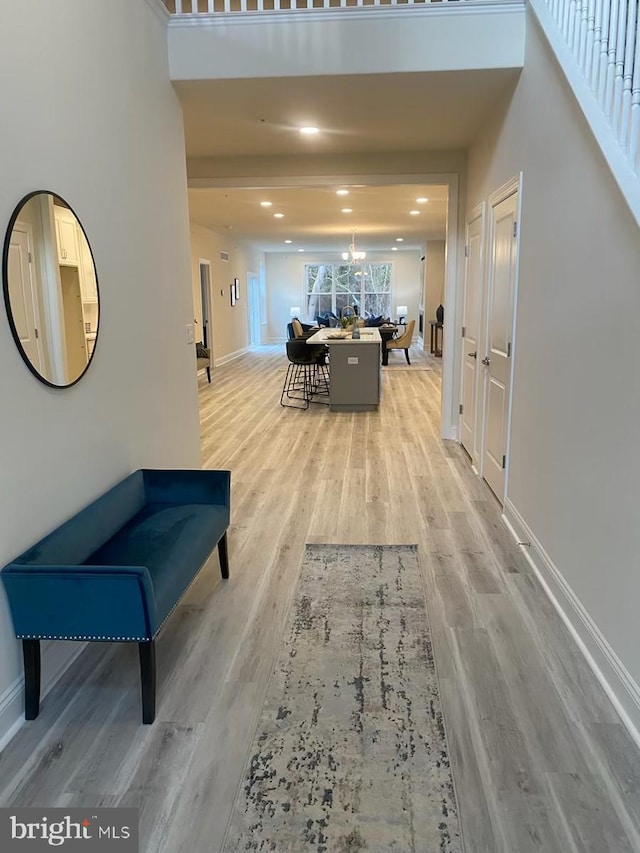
(23, 296)
(472, 302)
(500, 312)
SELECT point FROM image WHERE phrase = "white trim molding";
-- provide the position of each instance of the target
(614, 677)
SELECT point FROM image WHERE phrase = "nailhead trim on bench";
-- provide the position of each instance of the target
(56, 637)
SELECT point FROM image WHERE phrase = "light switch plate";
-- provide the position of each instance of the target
(190, 338)
(352, 359)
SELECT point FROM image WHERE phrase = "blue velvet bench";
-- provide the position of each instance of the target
(116, 570)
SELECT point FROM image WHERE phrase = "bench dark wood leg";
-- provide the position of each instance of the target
(31, 656)
(209, 374)
(148, 679)
(224, 556)
(406, 355)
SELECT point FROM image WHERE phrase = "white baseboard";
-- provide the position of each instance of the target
(615, 679)
(56, 659)
(231, 356)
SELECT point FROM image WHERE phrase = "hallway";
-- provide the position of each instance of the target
(539, 758)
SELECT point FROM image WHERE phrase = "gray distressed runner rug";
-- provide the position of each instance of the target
(350, 751)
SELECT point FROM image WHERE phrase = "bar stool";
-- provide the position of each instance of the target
(307, 375)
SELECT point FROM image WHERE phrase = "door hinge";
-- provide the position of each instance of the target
(461, 408)
(464, 331)
(36, 331)
(509, 350)
(30, 258)
(515, 229)
(504, 462)
(466, 251)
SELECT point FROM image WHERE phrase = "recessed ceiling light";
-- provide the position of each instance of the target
(347, 210)
(309, 130)
(278, 215)
(394, 248)
(301, 250)
(399, 239)
(414, 213)
(422, 200)
(266, 203)
(288, 241)
(342, 192)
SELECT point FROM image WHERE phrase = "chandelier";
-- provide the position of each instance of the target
(353, 256)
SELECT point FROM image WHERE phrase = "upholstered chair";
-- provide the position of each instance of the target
(404, 341)
(203, 359)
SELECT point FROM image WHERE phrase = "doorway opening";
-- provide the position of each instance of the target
(205, 301)
(255, 318)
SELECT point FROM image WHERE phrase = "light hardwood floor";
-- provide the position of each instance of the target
(540, 759)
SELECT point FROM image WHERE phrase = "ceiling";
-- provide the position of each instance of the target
(240, 124)
(313, 218)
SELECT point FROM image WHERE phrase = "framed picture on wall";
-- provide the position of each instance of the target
(236, 284)
(232, 293)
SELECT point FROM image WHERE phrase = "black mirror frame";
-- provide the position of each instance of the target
(5, 287)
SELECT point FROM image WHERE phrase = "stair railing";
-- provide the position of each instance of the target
(604, 38)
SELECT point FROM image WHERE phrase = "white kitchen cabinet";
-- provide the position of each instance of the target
(66, 239)
(88, 284)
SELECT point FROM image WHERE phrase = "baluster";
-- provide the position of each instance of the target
(594, 49)
(194, 6)
(586, 29)
(178, 7)
(567, 18)
(607, 104)
(574, 33)
(618, 68)
(211, 6)
(604, 51)
(559, 13)
(633, 145)
(627, 74)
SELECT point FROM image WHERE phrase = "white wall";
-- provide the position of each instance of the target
(230, 324)
(434, 279)
(574, 462)
(286, 283)
(88, 111)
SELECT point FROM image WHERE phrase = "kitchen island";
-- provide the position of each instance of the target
(354, 369)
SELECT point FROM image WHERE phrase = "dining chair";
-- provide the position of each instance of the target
(404, 341)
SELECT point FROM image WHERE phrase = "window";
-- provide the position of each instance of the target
(331, 287)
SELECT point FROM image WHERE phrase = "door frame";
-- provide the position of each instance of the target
(478, 212)
(495, 198)
(453, 257)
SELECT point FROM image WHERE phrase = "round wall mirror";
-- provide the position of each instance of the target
(50, 289)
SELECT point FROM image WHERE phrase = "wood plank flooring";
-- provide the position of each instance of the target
(540, 759)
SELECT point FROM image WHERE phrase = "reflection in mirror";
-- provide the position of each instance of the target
(50, 289)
